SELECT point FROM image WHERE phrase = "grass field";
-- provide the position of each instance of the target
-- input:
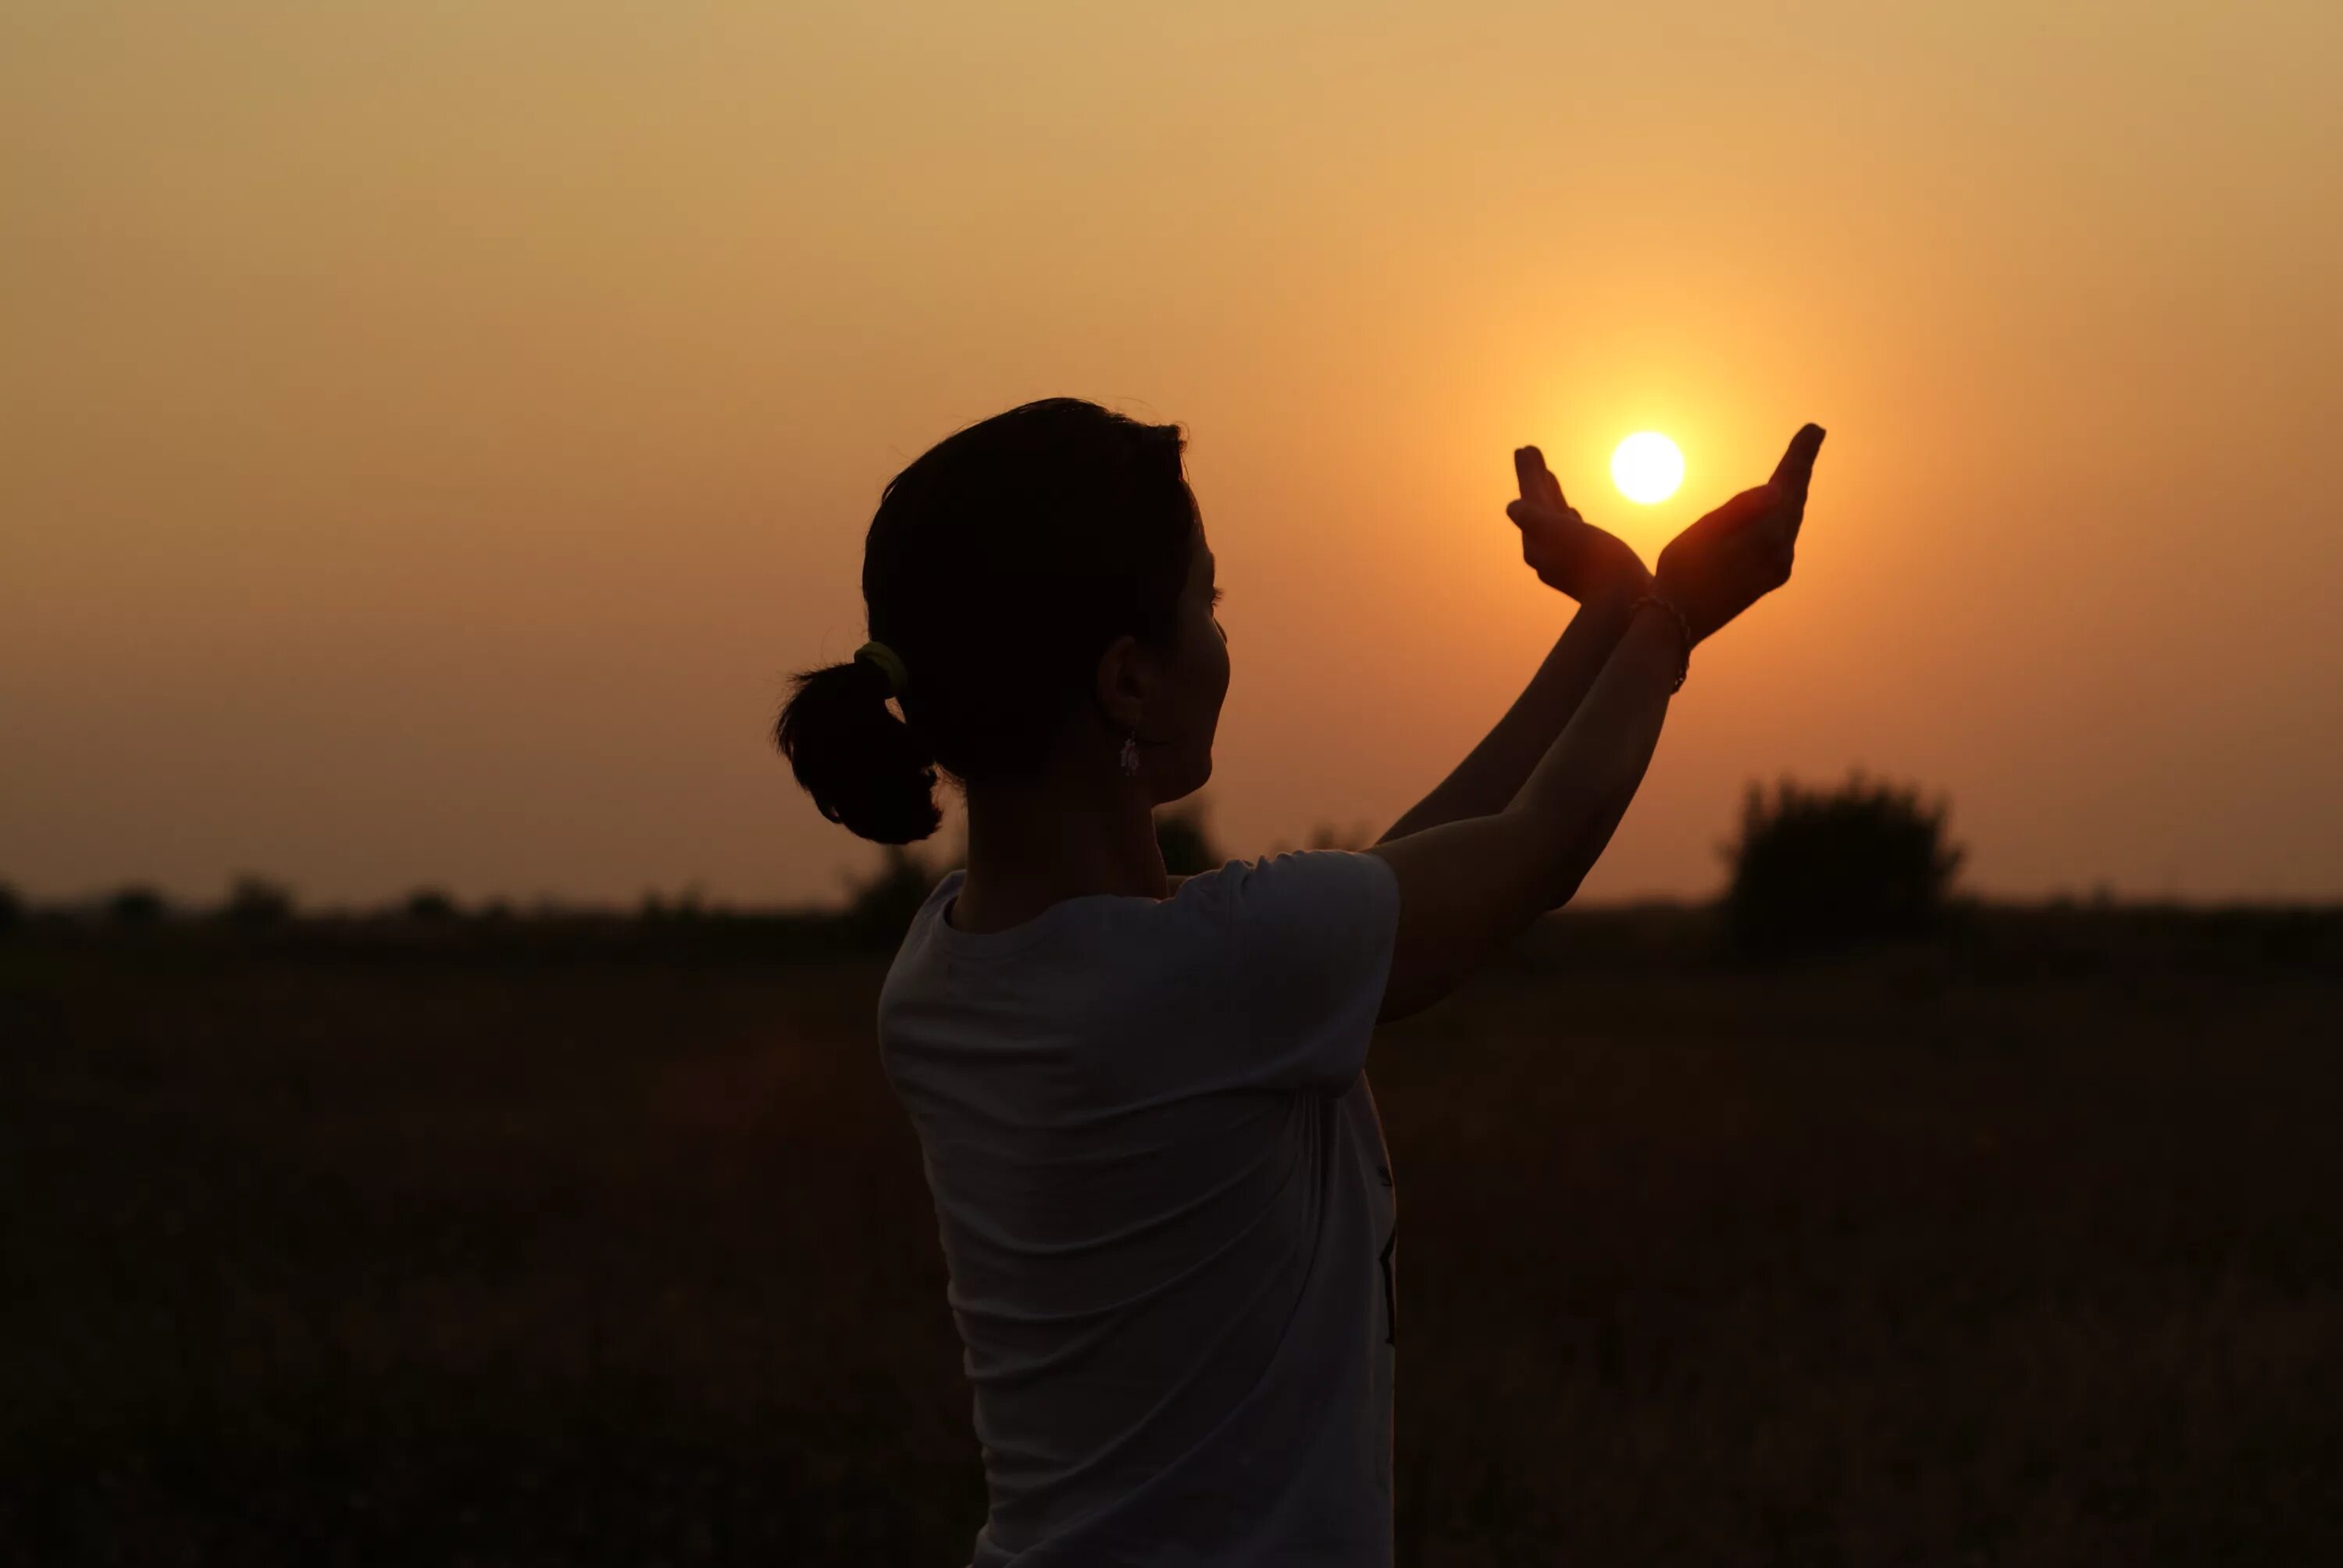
(2022, 1250)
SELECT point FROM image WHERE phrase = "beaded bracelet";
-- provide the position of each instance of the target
(1683, 630)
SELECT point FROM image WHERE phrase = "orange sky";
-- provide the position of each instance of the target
(428, 437)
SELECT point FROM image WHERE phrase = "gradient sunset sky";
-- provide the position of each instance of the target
(430, 433)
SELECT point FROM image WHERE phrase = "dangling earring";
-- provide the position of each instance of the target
(1130, 752)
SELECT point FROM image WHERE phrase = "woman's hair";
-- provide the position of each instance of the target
(1000, 566)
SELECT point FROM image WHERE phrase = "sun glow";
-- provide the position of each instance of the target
(1647, 467)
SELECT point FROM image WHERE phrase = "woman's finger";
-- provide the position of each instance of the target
(1798, 464)
(1553, 486)
(1538, 484)
(1539, 512)
(1795, 472)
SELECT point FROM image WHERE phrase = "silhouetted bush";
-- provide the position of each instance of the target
(137, 905)
(1327, 835)
(429, 906)
(1187, 848)
(879, 910)
(257, 902)
(656, 909)
(1818, 869)
(12, 909)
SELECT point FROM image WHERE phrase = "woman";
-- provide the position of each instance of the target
(1159, 1176)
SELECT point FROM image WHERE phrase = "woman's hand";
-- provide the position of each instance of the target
(1569, 553)
(1741, 551)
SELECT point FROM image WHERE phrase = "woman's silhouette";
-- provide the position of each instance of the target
(1159, 1177)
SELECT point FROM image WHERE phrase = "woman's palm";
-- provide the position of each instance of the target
(1742, 550)
(1568, 553)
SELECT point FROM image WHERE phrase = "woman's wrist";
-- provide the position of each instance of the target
(1614, 607)
(1656, 609)
(1628, 586)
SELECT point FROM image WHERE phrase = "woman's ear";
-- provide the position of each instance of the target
(1122, 683)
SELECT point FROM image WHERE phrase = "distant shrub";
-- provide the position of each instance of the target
(1327, 835)
(431, 907)
(879, 910)
(257, 902)
(137, 905)
(686, 905)
(1817, 869)
(1188, 848)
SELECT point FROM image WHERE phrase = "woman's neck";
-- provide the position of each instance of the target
(1032, 843)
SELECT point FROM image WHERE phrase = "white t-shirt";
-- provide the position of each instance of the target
(1166, 1207)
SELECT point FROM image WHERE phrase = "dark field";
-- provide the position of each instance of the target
(325, 1247)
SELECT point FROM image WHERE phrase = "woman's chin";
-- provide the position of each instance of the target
(1185, 784)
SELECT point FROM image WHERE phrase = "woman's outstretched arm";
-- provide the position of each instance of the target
(1467, 886)
(1492, 772)
(1605, 578)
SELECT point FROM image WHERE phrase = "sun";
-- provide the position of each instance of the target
(1647, 467)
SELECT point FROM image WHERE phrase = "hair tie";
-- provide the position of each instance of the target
(890, 663)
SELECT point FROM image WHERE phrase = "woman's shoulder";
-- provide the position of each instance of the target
(1306, 876)
(1238, 902)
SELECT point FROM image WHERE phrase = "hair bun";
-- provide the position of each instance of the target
(863, 766)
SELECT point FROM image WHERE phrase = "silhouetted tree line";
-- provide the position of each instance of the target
(1815, 871)
(254, 903)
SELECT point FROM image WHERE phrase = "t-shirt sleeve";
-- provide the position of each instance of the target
(1309, 947)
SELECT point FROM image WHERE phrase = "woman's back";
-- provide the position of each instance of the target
(1166, 1207)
